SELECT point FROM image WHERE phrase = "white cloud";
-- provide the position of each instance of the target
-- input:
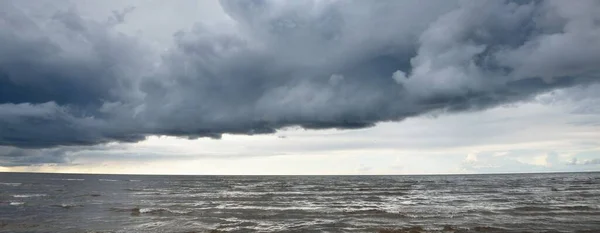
(471, 158)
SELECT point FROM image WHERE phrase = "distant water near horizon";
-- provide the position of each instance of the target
(558, 202)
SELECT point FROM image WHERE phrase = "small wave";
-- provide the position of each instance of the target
(107, 180)
(415, 229)
(578, 207)
(518, 193)
(15, 203)
(271, 208)
(133, 190)
(134, 180)
(10, 184)
(115, 209)
(586, 194)
(162, 210)
(372, 211)
(28, 195)
(67, 179)
(366, 211)
(532, 208)
(89, 195)
(489, 229)
(158, 211)
(498, 200)
(68, 206)
(408, 202)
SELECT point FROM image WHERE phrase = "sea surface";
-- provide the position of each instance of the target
(564, 202)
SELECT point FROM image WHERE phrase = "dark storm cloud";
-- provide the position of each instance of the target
(10, 156)
(67, 80)
(62, 58)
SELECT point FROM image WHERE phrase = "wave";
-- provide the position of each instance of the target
(68, 206)
(374, 211)
(16, 203)
(532, 208)
(157, 211)
(517, 193)
(445, 229)
(10, 184)
(415, 229)
(162, 210)
(134, 190)
(89, 195)
(28, 195)
(365, 211)
(489, 229)
(577, 207)
(68, 179)
(272, 208)
(586, 194)
(107, 180)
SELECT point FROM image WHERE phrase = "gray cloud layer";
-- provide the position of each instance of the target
(68, 80)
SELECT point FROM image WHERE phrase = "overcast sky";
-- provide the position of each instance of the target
(299, 87)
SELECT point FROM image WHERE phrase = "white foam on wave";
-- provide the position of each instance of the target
(162, 210)
(282, 208)
(267, 226)
(16, 203)
(29, 195)
(67, 179)
(107, 180)
(246, 193)
(408, 202)
(10, 184)
(68, 205)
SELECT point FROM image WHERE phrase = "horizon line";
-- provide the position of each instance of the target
(429, 174)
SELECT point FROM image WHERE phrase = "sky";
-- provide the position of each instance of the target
(332, 87)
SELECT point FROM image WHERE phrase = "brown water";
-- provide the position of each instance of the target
(568, 202)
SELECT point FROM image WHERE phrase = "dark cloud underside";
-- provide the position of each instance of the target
(69, 80)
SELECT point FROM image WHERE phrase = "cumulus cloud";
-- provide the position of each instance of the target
(69, 80)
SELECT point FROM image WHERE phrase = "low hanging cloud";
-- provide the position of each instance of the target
(575, 161)
(67, 80)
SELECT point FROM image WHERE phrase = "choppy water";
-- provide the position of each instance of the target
(473, 203)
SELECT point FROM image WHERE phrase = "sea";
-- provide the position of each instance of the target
(559, 202)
